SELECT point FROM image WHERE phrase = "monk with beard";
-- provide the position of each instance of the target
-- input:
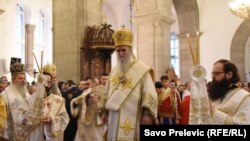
(229, 104)
(130, 98)
(19, 125)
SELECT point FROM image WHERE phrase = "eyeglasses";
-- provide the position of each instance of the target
(216, 73)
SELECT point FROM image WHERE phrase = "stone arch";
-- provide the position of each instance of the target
(188, 20)
(238, 45)
(188, 15)
(27, 12)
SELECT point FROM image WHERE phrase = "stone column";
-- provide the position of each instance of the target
(29, 48)
(68, 33)
(153, 34)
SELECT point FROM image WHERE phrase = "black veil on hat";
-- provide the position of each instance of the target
(14, 60)
(16, 67)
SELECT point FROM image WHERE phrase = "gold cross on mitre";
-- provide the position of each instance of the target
(126, 126)
(123, 26)
(104, 19)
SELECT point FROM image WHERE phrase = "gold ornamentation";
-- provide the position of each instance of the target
(199, 111)
(50, 68)
(57, 100)
(151, 102)
(17, 68)
(123, 80)
(115, 80)
(126, 83)
(127, 126)
(204, 106)
(197, 73)
(40, 78)
(123, 139)
(123, 37)
(242, 117)
(3, 113)
(194, 107)
(240, 9)
(229, 108)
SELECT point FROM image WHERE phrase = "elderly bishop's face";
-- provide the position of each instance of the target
(122, 53)
(54, 78)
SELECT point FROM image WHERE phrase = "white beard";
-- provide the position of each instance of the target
(125, 64)
(53, 88)
(22, 89)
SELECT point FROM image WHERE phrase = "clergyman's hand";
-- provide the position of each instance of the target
(46, 119)
(157, 122)
(147, 119)
(104, 118)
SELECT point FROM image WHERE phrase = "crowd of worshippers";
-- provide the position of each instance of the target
(173, 98)
(111, 106)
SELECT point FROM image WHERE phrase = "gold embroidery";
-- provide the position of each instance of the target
(165, 94)
(127, 84)
(114, 79)
(226, 120)
(57, 100)
(123, 80)
(123, 139)
(229, 108)
(242, 117)
(3, 113)
(204, 106)
(126, 126)
(197, 73)
(199, 111)
(150, 102)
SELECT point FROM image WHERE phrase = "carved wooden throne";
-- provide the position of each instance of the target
(96, 51)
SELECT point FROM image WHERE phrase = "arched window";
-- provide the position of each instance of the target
(174, 53)
(20, 33)
(39, 41)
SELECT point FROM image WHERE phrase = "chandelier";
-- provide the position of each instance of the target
(240, 8)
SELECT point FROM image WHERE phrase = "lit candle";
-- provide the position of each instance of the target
(198, 48)
(190, 49)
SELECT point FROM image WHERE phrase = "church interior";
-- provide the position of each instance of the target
(76, 35)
